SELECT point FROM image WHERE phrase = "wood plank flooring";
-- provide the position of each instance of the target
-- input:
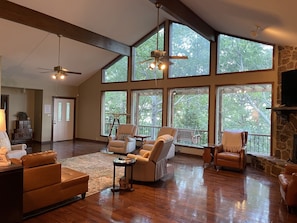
(189, 193)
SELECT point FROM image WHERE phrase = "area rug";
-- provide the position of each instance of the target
(99, 167)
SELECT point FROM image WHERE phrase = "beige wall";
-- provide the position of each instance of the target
(37, 94)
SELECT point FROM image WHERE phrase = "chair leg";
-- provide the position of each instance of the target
(216, 168)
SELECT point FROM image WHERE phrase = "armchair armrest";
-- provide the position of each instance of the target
(138, 158)
(130, 139)
(290, 169)
(19, 147)
(219, 148)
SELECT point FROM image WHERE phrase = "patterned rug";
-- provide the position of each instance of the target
(99, 167)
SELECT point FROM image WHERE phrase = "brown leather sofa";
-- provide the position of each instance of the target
(288, 185)
(46, 183)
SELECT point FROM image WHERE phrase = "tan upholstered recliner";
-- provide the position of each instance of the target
(231, 153)
(13, 151)
(148, 144)
(152, 166)
(288, 185)
(124, 141)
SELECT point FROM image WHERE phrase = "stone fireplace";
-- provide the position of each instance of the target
(285, 125)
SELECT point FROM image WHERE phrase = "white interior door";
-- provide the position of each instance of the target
(63, 121)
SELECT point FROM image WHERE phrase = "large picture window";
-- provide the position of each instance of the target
(189, 114)
(143, 59)
(244, 107)
(147, 111)
(114, 105)
(185, 41)
(116, 72)
(240, 55)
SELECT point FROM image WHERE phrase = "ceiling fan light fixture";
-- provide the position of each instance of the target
(159, 55)
(62, 76)
(161, 66)
(152, 66)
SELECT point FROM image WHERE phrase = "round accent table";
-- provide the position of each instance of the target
(123, 162)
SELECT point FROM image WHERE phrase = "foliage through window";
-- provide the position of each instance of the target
(189, 114)
(240, 55)
(184, 41)
(147, 111)
(116, 72)
(244, 107)
(113, 104)
(143, 57)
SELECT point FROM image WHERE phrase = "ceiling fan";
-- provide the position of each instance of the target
(159, 57)
(60, 72)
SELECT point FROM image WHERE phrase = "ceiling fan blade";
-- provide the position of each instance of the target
(41, 68)
(73, 72)
(144, 61)
(177, 57)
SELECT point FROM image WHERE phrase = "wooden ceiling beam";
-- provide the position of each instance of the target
(17, 13)
(186, 16)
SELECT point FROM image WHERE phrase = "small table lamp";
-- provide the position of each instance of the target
(3, 151)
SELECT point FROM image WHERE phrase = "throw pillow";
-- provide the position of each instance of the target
(123, 136)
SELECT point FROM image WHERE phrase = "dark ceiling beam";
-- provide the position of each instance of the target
(17, 13)
(186, 16)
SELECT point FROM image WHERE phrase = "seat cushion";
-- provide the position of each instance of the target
(70, 177)
(117, 143)
(229, 156)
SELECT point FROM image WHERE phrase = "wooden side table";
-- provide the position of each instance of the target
(142, 138)
(208, 154)
(123, 162)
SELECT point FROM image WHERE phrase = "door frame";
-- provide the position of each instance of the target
(74, 115)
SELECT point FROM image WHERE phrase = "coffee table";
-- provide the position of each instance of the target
(123, 162)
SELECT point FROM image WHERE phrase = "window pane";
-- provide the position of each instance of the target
(114, 105)
(185, 41)
(68, 112)
(239, 55)
(60, 107)
(244, 107)
(143, 59)
(147, 111)
(117, 72)
(189, 114)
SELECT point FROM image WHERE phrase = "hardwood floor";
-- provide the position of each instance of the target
(190, 193)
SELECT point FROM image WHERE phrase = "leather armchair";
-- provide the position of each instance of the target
(231, 152)
(148, 144)
(288, 185)
(123, 142)
(152, 165)
(13, 151)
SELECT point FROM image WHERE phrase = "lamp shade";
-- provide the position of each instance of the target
(2, 120)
